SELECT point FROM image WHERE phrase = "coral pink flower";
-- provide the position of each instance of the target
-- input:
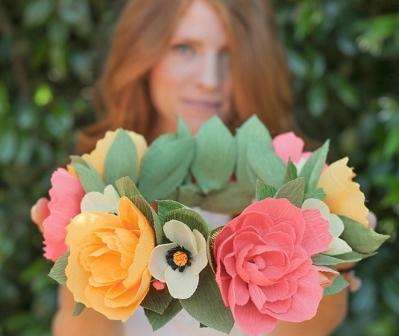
(289, 146)
(40, 212)
(66, 194)
(264, 265)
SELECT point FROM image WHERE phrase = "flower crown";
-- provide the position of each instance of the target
(121, 230)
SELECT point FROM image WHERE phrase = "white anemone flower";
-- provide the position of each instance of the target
(337, 245)
(180, 262)
(107, 201)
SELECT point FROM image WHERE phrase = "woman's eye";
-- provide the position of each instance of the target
(184, 49)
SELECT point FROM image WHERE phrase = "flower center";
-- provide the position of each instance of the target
(178, 258)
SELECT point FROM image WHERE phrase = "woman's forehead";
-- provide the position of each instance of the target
(202, 24)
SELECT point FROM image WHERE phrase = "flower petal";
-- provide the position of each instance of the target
(179, 233)
(200, 260)
(288, 146)
(158, 263)
(181, 285)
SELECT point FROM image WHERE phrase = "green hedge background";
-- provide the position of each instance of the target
(345, 57)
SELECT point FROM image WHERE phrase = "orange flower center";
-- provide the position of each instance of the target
(180, 258)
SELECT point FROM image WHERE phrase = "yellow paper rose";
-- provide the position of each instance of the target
(343, 195)
(97, 157)
(108, 262)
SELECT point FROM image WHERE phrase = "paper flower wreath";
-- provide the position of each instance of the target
(122, 231)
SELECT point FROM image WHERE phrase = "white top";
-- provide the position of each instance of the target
(182, 324)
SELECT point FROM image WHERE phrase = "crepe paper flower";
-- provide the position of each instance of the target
(158, 285)
(179, 262)
(343, 195)
(264, 268)
(95, 201)
(290, 147)
(66, 194)
(39, 212)
(327, 276)
(97, 157)
(338, 245)
(108, 263)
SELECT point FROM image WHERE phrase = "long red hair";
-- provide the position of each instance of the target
(261, 80)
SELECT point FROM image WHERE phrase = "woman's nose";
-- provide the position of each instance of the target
(209, 72)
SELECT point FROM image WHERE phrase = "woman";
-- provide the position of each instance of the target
(195, 59)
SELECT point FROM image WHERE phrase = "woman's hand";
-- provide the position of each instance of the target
(88, 323)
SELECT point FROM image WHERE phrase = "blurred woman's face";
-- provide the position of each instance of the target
(192, 79)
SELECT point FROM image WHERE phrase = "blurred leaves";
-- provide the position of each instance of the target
(345, 59)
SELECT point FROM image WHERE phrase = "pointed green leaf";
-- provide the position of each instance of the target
(189, 217)
(316, 193)
(338, 285)
(57, 272)
(253, 130)
(313, 167)
(293, 191)
(78, 308)
(126, 187)
(290, 172)
(121, 159)
(89, 178)
(362, 239)
(164, 166)
(166, 206)
(230, 200)
(157, 300)
(157, 321)
(266, 164)
(264, 191)
(215, 156)
(327, 260)
(206, 304)
(78, 159)
(182, 129)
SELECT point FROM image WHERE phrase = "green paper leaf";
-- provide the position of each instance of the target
(189, 217)
(166, 206)
(253, 130)
(89, 178)
(232, 200)
(164, 166)
(78, 308)
(327, 260)
(157, 321)
(190, 195)
(291, 172)
(209, 250)
(121, 159)
(57, 272)
(206, 304)
(362, 239)
(78, 159)
(151, 215)
(126, 187)
(313, 167)
(338, 285)
(215, 156)
(266, 164)
(182, 129)
(264, 191)
(293, 191)
(157, 301)
(316, 193)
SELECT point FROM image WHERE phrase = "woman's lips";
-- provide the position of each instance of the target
(203, 104)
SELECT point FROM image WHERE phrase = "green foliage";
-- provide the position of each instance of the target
(345, 59)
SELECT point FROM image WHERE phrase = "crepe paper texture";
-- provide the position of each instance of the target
(123, 232)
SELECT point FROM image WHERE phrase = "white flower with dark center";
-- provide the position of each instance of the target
(337, 245)
(179, 262)
(107, 201)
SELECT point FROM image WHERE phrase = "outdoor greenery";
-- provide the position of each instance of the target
(345, 58)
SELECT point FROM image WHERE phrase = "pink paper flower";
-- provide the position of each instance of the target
(289, 146)
(264, 265)
(66, 194)
(39, 212)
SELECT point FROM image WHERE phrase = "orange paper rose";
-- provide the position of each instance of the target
(343, 195)
(107, 266)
